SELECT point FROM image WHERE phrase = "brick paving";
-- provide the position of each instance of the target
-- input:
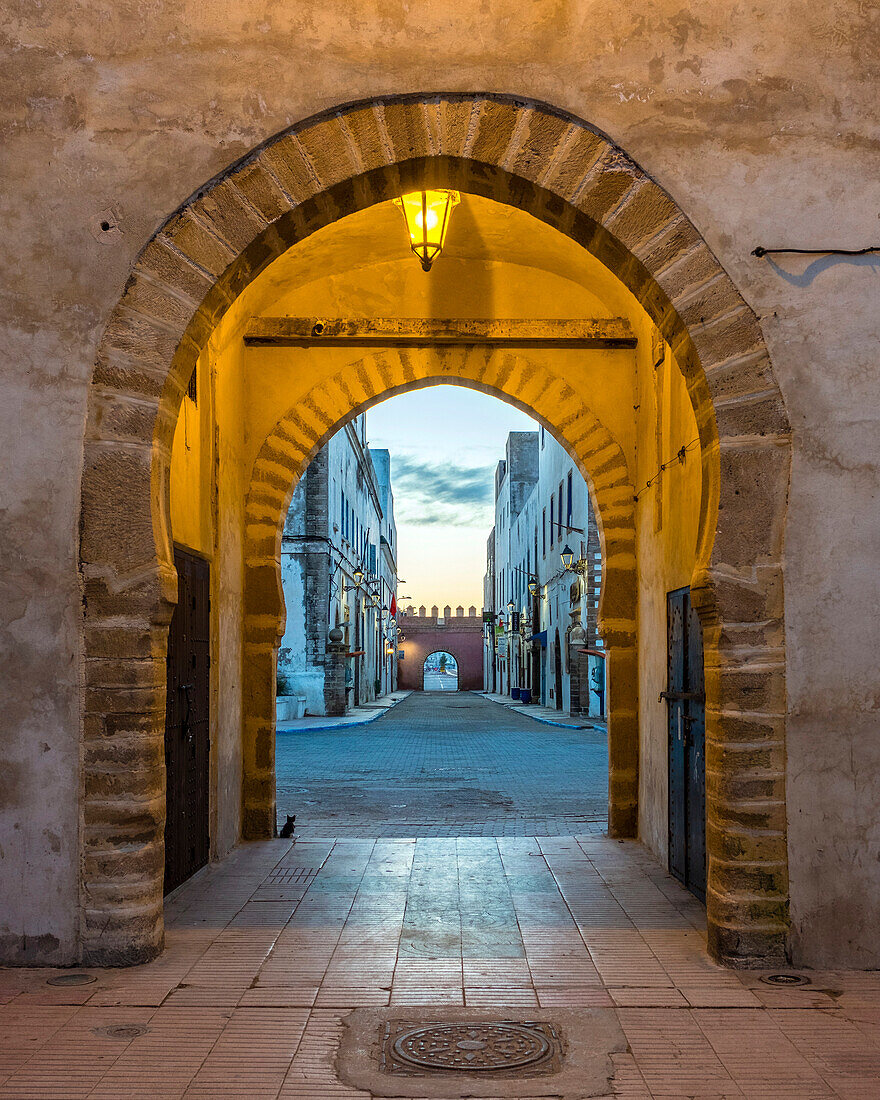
(268, 951)
(444, 765)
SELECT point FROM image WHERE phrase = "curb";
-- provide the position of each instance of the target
(540, 717)
(344, 725)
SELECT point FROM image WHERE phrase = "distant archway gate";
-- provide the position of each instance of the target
(440, 653)
(565, 173)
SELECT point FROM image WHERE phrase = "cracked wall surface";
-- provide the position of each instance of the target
(761, 122)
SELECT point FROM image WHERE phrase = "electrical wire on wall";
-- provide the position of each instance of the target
(761, 251)
(679, 457)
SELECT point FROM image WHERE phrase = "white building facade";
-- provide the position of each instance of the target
(544, 575)
(339, 577)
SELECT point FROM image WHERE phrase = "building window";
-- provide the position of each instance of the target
(544, 533)
(560, 512)
(552, 522)
(568, 510)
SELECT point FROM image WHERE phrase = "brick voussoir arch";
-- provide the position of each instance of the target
(382, 376)
(569, 175)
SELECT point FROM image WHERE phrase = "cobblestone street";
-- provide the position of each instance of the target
(444, 765)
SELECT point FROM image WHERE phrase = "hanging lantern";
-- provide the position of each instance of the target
(533, 588)
(358, 575)
(567, 557)
(427, 215)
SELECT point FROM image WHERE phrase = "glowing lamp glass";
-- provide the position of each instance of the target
(427, 215)
(567, 557)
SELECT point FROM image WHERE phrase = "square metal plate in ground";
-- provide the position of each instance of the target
(445, 1052)
(497, 1048)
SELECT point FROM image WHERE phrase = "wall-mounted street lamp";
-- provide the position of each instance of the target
(567, 556)
(427, 215)
(533, 588)
(358, 576)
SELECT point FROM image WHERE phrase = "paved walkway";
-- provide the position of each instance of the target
(444, 765)
(357, 716)
(545, 714)
(268, 952)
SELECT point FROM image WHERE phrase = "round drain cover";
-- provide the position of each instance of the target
(121, 1031)
(71, 979)
(786, 979)
(471, 1047)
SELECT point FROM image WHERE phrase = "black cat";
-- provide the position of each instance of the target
(288, 827)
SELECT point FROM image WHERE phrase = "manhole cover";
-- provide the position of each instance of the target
(121, 1031)
(785, 979)
(71, 979)
(497, 1048)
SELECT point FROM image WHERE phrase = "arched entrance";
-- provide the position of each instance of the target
(567, 175)
(440, 672)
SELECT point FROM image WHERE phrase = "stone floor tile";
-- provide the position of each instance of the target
(268, 951)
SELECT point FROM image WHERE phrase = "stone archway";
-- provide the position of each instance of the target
(567, 174)
(296, 439)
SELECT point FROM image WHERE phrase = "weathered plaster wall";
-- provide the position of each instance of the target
(227, 570)
(666, 523)
(761, 120)
(192, 470)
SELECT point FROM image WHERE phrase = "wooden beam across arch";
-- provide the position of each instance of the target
(609, 333)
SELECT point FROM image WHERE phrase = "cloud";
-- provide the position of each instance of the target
(441, 493)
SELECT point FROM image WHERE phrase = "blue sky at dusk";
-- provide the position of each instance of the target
(445, 442)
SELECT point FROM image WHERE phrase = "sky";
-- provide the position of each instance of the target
(445, 442)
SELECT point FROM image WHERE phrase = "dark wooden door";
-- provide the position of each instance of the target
(557, 668)
(356, 661)
(685, 698)
(186, 722)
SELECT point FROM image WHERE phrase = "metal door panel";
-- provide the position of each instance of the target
(696, 759)
(676, 733)
(187, 742)
(685, 698)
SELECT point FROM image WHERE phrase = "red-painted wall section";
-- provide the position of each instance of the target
(460, 635)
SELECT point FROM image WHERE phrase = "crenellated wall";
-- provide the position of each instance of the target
(460, 635)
